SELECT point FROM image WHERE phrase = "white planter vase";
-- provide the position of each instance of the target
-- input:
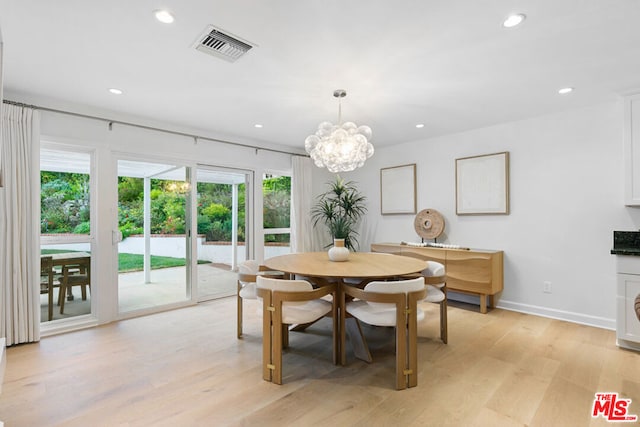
(338, 252)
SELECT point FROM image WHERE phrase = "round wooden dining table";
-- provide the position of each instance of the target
(363, 266)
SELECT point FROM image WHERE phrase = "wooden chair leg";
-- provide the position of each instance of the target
(401, 349)
(63, 295)
(50, 302)
(412, 351)
(341, 328)
(401, 357)
(84, 292)
(285, 336)
(267, 341)
(239, 320)
(276, 348)
(444, 333)
(336, 341)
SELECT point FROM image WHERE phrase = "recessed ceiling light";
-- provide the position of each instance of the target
(115, 91)
(257, 125)
(513, 20)
(164, 16)
(565, 90)
(420, 125)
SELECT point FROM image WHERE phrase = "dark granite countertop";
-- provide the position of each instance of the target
(626, 243)
(626, 251)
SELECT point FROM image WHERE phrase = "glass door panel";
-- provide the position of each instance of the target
(276, 193)
(154, 221)
(65, 234)
(223, 237)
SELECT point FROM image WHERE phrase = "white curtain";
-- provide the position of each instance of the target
(1, 98)
(19, 220)
(301, 230)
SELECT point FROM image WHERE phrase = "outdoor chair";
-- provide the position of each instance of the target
(47, 282)
(74, 275)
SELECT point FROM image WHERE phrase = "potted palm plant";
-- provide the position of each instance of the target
(340, 209)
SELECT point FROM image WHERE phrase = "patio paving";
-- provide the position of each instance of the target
(167, 286)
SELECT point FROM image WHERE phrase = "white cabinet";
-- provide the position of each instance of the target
(628, 293)
(632, 150)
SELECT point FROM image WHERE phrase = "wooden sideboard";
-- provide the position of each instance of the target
(475, 271)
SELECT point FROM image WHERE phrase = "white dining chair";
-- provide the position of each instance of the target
(391, 303)
(247, 272)
(290, 302)
(435, 279)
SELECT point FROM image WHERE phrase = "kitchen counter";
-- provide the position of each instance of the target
(626, 251)
(626, 243)
(628, 288)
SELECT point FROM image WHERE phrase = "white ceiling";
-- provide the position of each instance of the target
(446, 63)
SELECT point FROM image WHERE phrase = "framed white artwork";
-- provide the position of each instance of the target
(482, 184)
(398, 190)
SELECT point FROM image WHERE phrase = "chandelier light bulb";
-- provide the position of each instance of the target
(342, 147)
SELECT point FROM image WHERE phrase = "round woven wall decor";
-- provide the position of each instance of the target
(429, 224)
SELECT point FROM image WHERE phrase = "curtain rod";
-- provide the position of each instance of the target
(196, 138)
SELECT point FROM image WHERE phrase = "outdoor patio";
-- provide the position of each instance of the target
(167, 286)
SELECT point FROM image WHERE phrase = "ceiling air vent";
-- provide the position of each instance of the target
(218, 43)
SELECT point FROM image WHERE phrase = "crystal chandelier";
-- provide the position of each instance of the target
(342, 147)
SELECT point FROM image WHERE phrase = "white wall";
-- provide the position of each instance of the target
(566, 199)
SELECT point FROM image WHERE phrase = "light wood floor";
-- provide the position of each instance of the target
(186, 368)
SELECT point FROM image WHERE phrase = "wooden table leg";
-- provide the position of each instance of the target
(356, 338)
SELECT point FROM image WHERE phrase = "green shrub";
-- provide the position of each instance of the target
(128, 229)
(204, 224)
(216, 212)
(83, 228)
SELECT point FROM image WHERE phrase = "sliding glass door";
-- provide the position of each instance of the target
(223, 238)
(154, 220)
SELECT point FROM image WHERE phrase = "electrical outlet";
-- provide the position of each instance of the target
(546, 287)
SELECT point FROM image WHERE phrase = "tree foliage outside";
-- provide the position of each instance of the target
(276, 207)
(215, 211)
(64, 202)
(65, 206)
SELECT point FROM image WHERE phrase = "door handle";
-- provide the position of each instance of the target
(116, 236)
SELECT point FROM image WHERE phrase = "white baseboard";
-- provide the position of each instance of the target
(581, 318)
(68, 325)
(629, 345)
